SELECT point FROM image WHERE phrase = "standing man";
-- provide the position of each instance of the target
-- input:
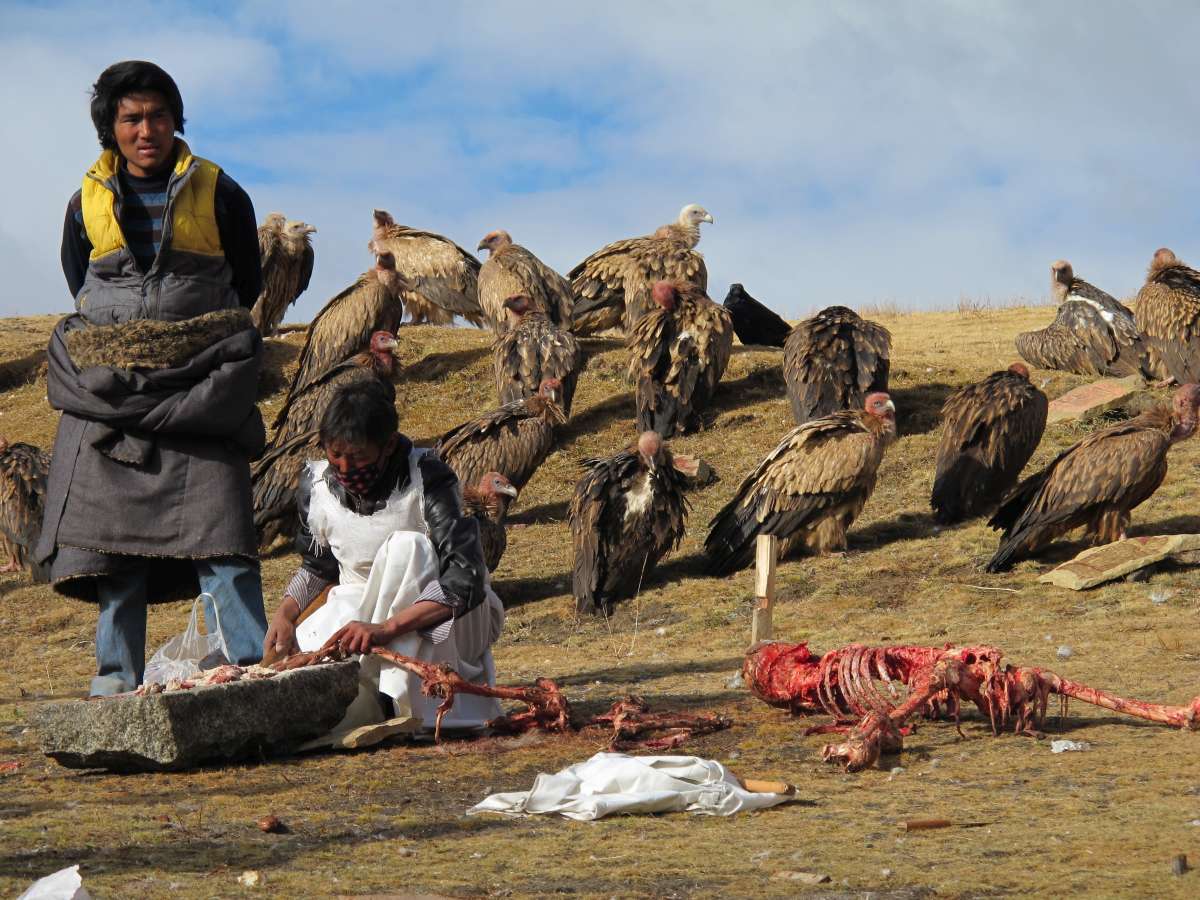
(148, 497)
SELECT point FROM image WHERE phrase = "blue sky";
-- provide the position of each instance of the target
(851, 153)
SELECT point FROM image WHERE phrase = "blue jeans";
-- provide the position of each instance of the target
(233, 582)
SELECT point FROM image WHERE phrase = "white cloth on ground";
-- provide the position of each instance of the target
(611, 783)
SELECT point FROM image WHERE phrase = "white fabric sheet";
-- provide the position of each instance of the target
(611, 783)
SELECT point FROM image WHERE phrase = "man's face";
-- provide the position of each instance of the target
(145, 132)
(345, 456)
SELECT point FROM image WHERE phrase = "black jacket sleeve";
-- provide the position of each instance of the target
(317, 558)
(239, 238)
(455, 537)
(76, 248)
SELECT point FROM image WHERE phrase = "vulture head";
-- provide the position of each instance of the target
(1184, 407)
(275, 221)
(663, 293)
(649, 448)
(517, 305)
(495, 241)
(1061, 276)
(493, 484)
(1163, 259)
(296, 231)
(1020, 369)
(383, 221)
(693, 214)
(383, 349)
(880, 405)
(550, 389)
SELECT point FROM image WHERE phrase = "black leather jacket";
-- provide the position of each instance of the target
(455, 537)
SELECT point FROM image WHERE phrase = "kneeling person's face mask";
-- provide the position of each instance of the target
(357, 468)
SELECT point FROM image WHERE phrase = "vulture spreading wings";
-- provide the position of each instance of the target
(627, 513)
(832, 361)
(275, 475)
(512, 440)
(345, 324)
(1167, 310)
(23, 470)
(441, 278)
(286, 251)
(808, 490)
(990, 430)
(510, 270)
(531, 350)
(1093, 333)
(753, 323)
(612, 286)
(1094, 483)
(487, 504)
(678, 353)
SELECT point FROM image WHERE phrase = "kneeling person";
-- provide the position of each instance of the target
(381, 521)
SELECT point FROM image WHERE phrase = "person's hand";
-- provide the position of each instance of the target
(360, 637)
(281, 638)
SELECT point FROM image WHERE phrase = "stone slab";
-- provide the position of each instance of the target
(694, 469)
(1093, 399)
(1097, 565)
(177, 730)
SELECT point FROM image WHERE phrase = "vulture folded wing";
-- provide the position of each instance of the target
(436, 269)
(274, 479)
(23, 470)
(872, 357)
(549, 291)
(344, 326)
(588, 518)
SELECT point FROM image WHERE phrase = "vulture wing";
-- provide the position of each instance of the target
(754, 323)
(832, 361)
(438, 271)
(274, 478)
(1168, 314)
(525, 356)
(307, 260)
(515, 270)
(512, 440)
(817, 468)
(492, 534)
(991, 430)
(1092, 334)
(23, 471)
(272, 259)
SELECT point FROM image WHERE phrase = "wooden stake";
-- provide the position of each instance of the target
(766, 551)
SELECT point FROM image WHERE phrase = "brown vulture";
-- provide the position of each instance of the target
(1167, 310)
(487, 503)
(509, 270)
(1093, 333)
(512, 440)
(441, 278)
(627, 513)
(678, 353)
(345, 324)
(1094, 483)
(532, 350)
(990, 430)
(23, 470)
(832, 361)
(808, 490)
(286, 251)
(276, 473)
(754, 324)
(612, 286)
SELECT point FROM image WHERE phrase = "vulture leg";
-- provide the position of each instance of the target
(14, 557)
(1108, 526)
(829, 536)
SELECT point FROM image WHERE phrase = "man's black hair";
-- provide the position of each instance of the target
(134, 76)
(360, 413)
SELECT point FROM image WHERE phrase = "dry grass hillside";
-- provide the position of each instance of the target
(390, 820)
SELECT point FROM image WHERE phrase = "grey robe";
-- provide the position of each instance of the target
(151, 459)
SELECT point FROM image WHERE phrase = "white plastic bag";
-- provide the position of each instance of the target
(189, 653)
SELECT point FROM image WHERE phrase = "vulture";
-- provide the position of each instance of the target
(509, 270)
(345, 324)
(832, 361)
(679, 351)
(991, 428)
(808, 490)
(532, 350)
(286, 251)
(1094, 483)
(1167, 310)
(487, 503)
(441, 278)
(512, 440)
(628, 511)
(753, 323)
(1093, 333)
(276, 473)
(23, 470)
(612, 286)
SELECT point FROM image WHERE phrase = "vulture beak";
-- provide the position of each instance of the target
(890, 406)
(482, 245)
(507, 489)
(709, 219)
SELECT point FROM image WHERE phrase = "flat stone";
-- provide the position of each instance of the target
(1092, 399)
(177, 730)
(1097, 565)
(694, 469)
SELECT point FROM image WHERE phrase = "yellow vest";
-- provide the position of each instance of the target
(193, 208)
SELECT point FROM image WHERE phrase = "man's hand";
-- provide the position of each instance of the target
(281, 638)
(360, 637)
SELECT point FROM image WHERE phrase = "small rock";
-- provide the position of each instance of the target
(661, 632)
(735, 682)
(734, 754)
(1048, 638)
(802, 877)
(272, 825)
(1195, 823)
(1064, 652)
(1069, 746)
(1179, 864)
(250, 878)
(759, 857)
(1160, 596)
(886, 873)
(405, 851)
(898, 770)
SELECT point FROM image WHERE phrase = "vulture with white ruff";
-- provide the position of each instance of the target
(627, 513)
(832, 361)
(990, 430)
(286, 252)
(23, 470)
(1167, 310)
(441, 278)
(612, 286)
(510, 270)
(531, 350)
(1094, 483)
(808, 490)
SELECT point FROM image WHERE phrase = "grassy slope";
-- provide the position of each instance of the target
(1106, 822)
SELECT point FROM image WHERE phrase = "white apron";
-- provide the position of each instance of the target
(385, 561)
